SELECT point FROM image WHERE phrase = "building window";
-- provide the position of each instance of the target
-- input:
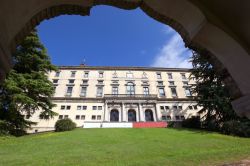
(99, 107)
(168, 117)
(100, 82)
(66, 116)
(145, 91)
(60, 116)
(55, 81)
(175, 107)
(161, 92)
(158, 75)
(114, 91)
(57, 74)
(84, 81)
(68, 107)
(84, 107)
(183, 76)
(182, 117)
(82, 117)
(94, 107)
(180, 107)
(167, 107)
(100, 74)
(130, 88)
(170, 76)
(77, 117)
(93, 117)
(99, 91)
(195, 107)
(177, 117)
(164, 117)
(99, 117)
(62, 107)
(173, 91)
(160, 83)
(71, 81)
(185, 83)
(171, 83)
(190, 107)
(86, 74)
(83, 91)
(69, 91)
(162, 107)
(73, 74)
(79, 107)
(187, 91)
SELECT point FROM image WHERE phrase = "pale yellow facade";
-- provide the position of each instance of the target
(88, 94)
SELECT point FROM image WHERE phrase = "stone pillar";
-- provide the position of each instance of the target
(156, 114)
(139, 112)
(106, 112)
(122, 112)
(142, 114)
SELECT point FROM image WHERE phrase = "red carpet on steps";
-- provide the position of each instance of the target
(149, 124)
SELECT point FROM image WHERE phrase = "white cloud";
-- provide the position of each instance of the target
(173, 53)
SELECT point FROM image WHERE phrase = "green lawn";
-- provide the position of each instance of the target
(123, 147)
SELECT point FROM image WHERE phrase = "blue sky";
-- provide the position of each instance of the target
(112, 37)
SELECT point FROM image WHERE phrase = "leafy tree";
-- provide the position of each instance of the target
(27, 88)
(212, 95)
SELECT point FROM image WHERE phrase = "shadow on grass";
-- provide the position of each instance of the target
(194, 131)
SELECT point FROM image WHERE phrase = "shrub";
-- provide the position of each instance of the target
(4, 127)
(193, 122)
(236, 128)
(174, 124)
(65, 125)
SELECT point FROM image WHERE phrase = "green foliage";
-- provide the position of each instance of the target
(27, 88)
(64, 125)
(4, 127)
(193, 122)
(237, 128)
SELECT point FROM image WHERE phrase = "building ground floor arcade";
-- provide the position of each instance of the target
(95, 113)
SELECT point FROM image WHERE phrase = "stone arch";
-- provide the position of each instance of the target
(114, 115)
(149, 115)
(183, 16)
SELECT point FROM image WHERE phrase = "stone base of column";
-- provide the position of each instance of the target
(242, 106)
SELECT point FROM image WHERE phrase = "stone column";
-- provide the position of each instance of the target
(122, 112)
(106, 116)
(156, 114)
(139, 112)
(142, 114)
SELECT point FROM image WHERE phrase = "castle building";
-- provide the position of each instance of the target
(91, 96)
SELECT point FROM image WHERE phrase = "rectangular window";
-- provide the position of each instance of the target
(100, 74)
(82, 117)
(84, 81)
(93, 117)
(57, 74)
(171, 83)
(185, 83)
(99, 107)
(68, 107)
(145, 91)
(175, 107)
(71, 81)
(79, 107)
(130, 88)
(66, 116)
(77, 117)
(162, 107)
(83, 91)
(177, 117)
(187, 91)
(94, 108)
(99, 117)
(73, 74)
(161, 92)
(114, 91)
(167, 107)
(164, 117)
(86, 74)
(60, 116)
(84, 107)
(180, 107)
(183, 76)
(100, 81)
(69, 91)
(55, 81)
(190, 107)
(195, 107)
(99, 91)
(168, 117)
(170, 76)
(160, 83)
(173, 91)
(62, 107)
(158, 75)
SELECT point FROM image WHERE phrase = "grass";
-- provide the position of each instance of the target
(119, 147)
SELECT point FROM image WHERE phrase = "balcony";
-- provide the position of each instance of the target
(131, 96)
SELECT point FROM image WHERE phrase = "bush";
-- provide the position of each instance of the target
(193, 122)
(236, 128)
(4, 127)
(65, 125)
(174, 124)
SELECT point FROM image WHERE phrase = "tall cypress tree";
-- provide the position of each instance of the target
(26, 88)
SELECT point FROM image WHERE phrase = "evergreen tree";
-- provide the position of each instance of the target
(212, 95)
(26, 87)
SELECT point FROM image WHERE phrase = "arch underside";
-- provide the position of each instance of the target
(169, 12)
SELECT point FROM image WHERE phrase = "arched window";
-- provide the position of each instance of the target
(131, 116)
(149, 115)
(130, 88)
(114, 116)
